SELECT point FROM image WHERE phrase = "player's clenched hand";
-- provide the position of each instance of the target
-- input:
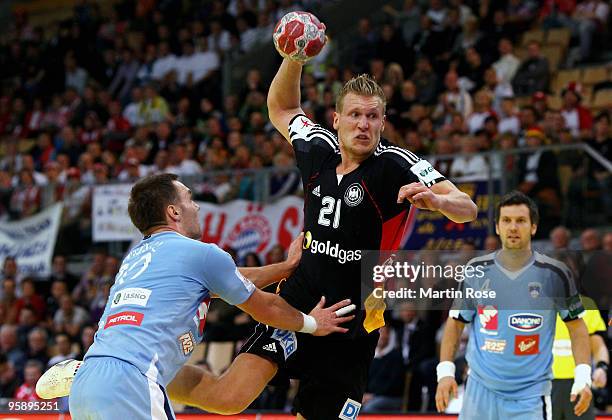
(328, 320)
(295, 251)
(419, 196)
(584, 400)
(446, 386)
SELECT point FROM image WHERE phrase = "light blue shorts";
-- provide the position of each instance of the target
(106, 388)
(480, 403)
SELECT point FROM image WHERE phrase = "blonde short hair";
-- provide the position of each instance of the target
(362, 85)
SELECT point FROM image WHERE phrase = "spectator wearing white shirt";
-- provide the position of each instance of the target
(76, 77)
(165, 62)
(509, 121)
(219, 39)
(131, 111)
(589, 18)
(482, 110)
(181, 164)
(194, 67)
(472, 167)
(508, 63)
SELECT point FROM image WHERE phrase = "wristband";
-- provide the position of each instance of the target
(445, 369)
(582, 378)
(310, 324)
(602, 365)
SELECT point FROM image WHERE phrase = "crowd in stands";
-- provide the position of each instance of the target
(112, 96)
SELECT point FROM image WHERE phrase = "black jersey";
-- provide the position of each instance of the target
(344, 217)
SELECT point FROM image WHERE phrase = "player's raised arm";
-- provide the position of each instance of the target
(284, 96)
(298, 37)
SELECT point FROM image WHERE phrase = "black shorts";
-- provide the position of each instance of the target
(333, 373)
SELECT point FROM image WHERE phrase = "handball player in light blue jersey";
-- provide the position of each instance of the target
(156, 314)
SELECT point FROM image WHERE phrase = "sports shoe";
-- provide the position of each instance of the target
(57, 381)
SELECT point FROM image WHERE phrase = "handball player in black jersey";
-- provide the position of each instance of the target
(358, 190)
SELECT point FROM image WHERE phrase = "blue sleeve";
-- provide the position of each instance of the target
(224, 279)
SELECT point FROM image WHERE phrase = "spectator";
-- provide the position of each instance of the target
(87, 339)
(533, 73)
(31, 299)
(425, 81)
(152, 109)
(509, 121)
(607, 242)
(415, 337)
(91, 279)
(62, 349)
(76, 77)
(125, 75)
(9, 382)
(577, 118)
(469, 166)
(482, 110)
(454, 99)
(540, 181)
(37, 346)
(9, 344)
(27, 391)
(386, 379)
(589, 17)
(59, 288)
(11, 270)
(69, 318)
(491, 243)
(560, 238)
(508, 64)
(26, 197)
(181, 164)
(8, 302)
(590, 240)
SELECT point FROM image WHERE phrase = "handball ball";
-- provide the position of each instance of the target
(299, 36)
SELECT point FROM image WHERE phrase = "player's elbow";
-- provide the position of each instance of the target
(230, 403)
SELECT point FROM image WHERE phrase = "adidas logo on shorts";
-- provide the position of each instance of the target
(317, 191)
(270, 347)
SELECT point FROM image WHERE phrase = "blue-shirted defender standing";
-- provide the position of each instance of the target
(510, 345)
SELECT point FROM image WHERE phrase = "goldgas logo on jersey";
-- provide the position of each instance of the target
(525, 322)
(353, 195)
(332, 250)
(488, 317)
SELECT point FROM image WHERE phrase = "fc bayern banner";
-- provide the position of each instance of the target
(110, 219)
(252, 227)
(32, 241)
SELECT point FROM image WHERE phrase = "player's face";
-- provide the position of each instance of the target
(515, 228)
(359, 125)
(189, 221)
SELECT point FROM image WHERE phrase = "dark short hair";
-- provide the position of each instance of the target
(149, 198)
(514, 198)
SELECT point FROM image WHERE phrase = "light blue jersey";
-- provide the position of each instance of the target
(511, 336)
(157, 308)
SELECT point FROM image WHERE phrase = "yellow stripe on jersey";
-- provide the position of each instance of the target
(563, 359)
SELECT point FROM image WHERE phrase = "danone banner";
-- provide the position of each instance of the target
(252, 227)
(32, 241)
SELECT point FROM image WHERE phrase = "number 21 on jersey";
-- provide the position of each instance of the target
(330, 205)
